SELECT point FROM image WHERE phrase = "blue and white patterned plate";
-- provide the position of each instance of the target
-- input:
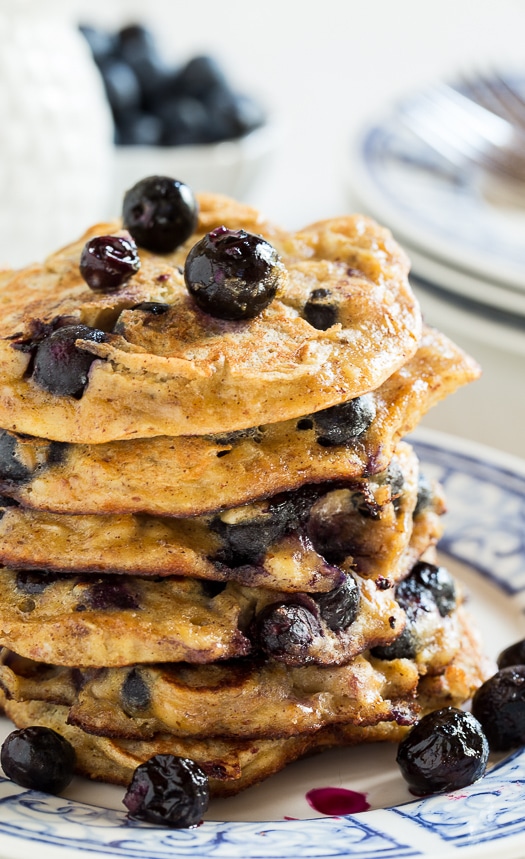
(448, 214)
(485, 546)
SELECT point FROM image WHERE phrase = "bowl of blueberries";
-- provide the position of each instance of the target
(184, 120)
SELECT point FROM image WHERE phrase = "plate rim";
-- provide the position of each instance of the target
(467, 286)
(360, 180)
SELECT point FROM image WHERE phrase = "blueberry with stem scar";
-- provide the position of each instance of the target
(107, 262)
(168, 790)
(232, 274)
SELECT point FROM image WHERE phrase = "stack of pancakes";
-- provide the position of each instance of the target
(208, 551)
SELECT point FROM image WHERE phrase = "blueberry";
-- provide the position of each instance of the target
(11, 468)
(346, 422)
(160, 213)
(231, 114)
(499, 704)
(137, 47)
(232, 274)
(339, 607)
(513, 655)
(121, 84)
(184, 121)
(109, 593)
(135, 692)
(446, 750)
(34, 581)
(295, 507)
(57, 452)
(246, 542)
(101, 43)
(38, 758)
(404, 647)
(320, 311)
(244, 114)
(425, 495)
(135, 40)
(157, 308)
(59, 367)
(285, 631)
(199, 76)
(426, 587)
(107, 262)
(138, 128)
(168, 790)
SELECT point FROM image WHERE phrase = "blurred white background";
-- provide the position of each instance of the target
(324, 66)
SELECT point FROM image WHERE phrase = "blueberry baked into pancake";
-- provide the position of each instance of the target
(108, 747)
(97, 364)
(302, 539)
(191, 475)
(215, 542)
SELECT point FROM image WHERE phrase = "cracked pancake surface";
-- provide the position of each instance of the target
(235, 764)
(193, 475)
(298, 541)
(184, 372)
(101, 622)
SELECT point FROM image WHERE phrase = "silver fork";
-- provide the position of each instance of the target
(484, 129)
(499, 95)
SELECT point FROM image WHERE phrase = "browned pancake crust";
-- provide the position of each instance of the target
(376, 531)
(234, 765)
(188, 476)
(251, 697)
(67, 623)
(185, 372)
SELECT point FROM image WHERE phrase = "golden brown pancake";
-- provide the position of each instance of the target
(194, 475)
(295, 542)
(184, 372)
(109, 621)
(275, 700)
(299, 682)
(235, 764)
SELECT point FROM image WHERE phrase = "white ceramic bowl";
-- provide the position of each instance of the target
(229, 167)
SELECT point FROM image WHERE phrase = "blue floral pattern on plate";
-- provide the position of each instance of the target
(486, 530)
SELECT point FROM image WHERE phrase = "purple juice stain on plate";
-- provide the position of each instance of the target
(337, 800)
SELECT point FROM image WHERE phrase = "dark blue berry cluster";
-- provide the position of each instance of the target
(160, 104)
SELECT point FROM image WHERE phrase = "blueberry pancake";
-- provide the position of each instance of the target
(276, 699)
(140, 703)
(235, 764)
(94, 363)
(109, 621)
(194, 475)
(214, 540)
(297, 541)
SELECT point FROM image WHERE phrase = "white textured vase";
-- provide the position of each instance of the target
(55, 131)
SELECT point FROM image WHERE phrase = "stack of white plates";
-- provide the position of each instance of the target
(467, 246)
